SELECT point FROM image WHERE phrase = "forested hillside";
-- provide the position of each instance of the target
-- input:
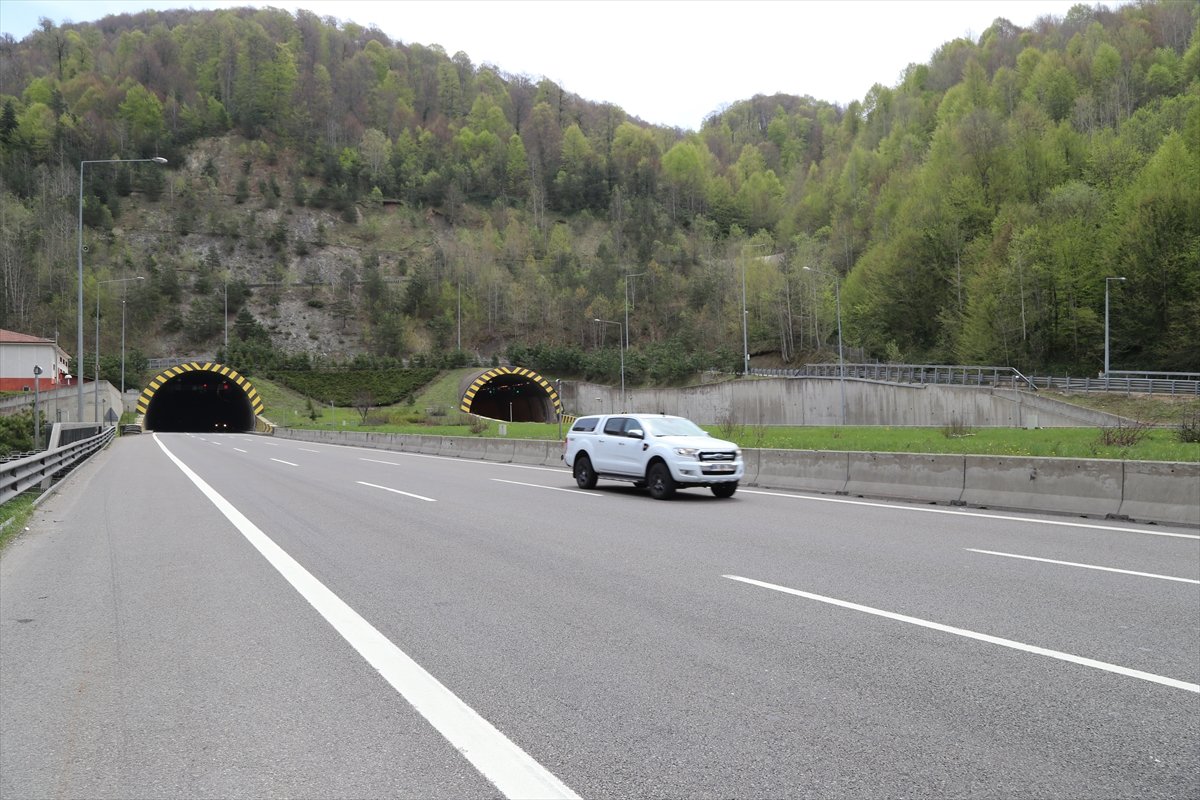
(343, 194)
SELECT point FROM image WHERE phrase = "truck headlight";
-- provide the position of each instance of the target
(687, 451)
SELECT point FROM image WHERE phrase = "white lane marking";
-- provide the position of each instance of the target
(218, 444)
(1084, 566)
(281, 461)
(240, 450)
(551, 488)
(954, 512)
(377, 461)
(458, 460)
(305, 449)
(271, 444)
(494, 755)
(397, 491)
(982, 637)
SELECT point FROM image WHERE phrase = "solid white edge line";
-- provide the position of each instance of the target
(513, 771)
(281, 461)
(397, 491)
(551, 488)
(1083, 566)
(954, 512)
(982, 637)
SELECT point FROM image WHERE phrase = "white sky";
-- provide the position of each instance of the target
(669, 62)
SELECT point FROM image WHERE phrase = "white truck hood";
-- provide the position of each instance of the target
(698, 442)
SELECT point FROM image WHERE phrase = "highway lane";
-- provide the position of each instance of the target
(595, 630)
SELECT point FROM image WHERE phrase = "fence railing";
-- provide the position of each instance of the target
(1008, 377)
(17, 476)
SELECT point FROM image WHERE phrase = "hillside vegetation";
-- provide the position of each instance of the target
(331, 193)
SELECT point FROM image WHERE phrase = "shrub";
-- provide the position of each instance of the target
(1189, 428)
(1124, 434)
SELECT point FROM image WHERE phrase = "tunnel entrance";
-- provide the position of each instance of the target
(195, 398)
(511, 394)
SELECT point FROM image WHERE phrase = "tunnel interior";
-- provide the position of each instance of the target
(200, 402)
(513, 398)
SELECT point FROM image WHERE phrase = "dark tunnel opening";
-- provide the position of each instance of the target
(200, 402)
(513, 398)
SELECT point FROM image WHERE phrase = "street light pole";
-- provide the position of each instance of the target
(622, 351)
(1106, 284)
(837, 293)
(96, 386)
(79, 303)
(122, 348)
(37, 407)
(625, 400)
(746, 314)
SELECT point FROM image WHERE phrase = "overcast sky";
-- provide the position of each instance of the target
(669, 62)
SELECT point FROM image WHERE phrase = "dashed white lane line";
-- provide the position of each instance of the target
(306, 450)
(281, 461)
(551, 488)
(240, 450)
(397, 491)
(1083, 566)
(513, 771)
(955, 512)
(456, 459)
(982, 637)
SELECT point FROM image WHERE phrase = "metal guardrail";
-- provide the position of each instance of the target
(957, 375)
(17, 476)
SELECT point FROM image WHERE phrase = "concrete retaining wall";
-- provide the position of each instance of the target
(817, 401)
(1138, 490)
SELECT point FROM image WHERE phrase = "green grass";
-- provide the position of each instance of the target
(13, 516)
(288, 408)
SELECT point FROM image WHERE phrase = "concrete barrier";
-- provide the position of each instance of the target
(1141, 491)
(807, 470)
(526, 451)
(500, 450)
(1067, 485)
(750, 466)
(1159, 492)
(464, 447)
(907, 476)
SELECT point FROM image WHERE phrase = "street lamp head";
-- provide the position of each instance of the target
(159, 160)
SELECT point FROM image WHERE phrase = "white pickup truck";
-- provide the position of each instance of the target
(653, 451)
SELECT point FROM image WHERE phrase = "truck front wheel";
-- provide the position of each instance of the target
(660, 482)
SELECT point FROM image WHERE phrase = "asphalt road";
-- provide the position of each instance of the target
(232, 616)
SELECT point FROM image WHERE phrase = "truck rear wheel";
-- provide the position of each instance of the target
(724, 489)
(585, 476)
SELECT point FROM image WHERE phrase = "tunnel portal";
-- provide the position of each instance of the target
(512, 394)
(195, 398)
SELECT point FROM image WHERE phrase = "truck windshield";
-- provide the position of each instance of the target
(673, 426)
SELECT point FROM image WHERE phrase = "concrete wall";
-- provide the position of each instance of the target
(818, 401)
(60, 405)
(1137, 490)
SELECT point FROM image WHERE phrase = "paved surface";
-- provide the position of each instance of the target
(263, 640)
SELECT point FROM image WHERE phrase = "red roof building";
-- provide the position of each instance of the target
(20, 353)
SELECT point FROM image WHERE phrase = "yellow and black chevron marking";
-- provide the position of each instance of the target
(483, 379)
(147, 395)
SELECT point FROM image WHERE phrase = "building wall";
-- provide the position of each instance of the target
(17, 360)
